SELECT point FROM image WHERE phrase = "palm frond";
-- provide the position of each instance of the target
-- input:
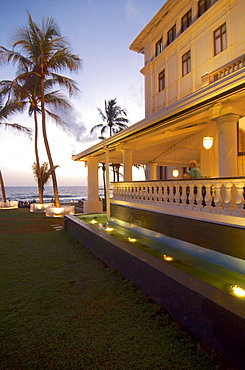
(58, 120)
(66, 82)
(96, 127)
(16, 126)
(58, 100)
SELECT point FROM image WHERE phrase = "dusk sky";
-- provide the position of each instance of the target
(100, 32)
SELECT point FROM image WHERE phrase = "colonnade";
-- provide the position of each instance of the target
(221, 161)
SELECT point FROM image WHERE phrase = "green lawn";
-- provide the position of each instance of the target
(62, 308)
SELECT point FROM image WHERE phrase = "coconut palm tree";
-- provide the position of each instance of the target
(43, 52)
(7, 110)
(2, 188)
(27, 92)
(42, 174)
(115, 120)
(114, 117)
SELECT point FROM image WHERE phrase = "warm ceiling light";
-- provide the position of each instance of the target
(208, 142)
(175, 173)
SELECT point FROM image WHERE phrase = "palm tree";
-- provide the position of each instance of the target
(6, 110)
(42, 174)
(45, 52)
(27, 92)
(115, 120)
(113, 116)
(2, 188)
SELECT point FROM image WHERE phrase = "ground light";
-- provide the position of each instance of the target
(237, 290)
(39, 207)
(11, 204)
(109, 229)
(167, 258)
(132, 240)
(60, 211)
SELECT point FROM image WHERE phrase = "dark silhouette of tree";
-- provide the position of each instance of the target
(115, 120)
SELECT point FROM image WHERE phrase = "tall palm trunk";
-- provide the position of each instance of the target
(51, 164)
(2, 188)
(39, 182)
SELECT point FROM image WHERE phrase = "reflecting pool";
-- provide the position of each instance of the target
(194, 260)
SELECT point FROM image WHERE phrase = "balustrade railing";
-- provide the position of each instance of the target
(215, 195)
(229, 68)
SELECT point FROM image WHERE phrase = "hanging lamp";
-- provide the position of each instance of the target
(175, 173)
(207, 142)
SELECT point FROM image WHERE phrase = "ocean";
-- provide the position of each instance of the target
(29, 193)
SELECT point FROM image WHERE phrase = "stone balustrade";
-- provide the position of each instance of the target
(227, 69)
(224, 196)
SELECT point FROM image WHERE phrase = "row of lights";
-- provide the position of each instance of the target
(207, 143)
(234, 289)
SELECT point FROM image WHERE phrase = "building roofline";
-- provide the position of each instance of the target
(138, 44)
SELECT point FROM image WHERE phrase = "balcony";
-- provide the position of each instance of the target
(219, 200)
(224, 71)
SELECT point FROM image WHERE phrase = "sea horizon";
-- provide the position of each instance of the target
(29, 193)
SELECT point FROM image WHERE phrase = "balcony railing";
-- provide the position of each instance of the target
(214, 196)
(224, 71)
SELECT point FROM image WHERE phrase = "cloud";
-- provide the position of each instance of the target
(135, 95)
(75, 126)
(132, 11)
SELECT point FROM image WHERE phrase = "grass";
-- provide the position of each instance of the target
(62, 308)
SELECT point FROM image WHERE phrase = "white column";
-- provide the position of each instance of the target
(108, 205)
(153, 171)
(93, 204)
(227, 144)
(128, 163)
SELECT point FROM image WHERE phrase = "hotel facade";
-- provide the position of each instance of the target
(194, 69)
(194, 75)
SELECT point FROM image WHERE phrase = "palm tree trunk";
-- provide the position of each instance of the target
(3, 188)
(51, 164)
(114, 172)
(117, 172)
(39, 182)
